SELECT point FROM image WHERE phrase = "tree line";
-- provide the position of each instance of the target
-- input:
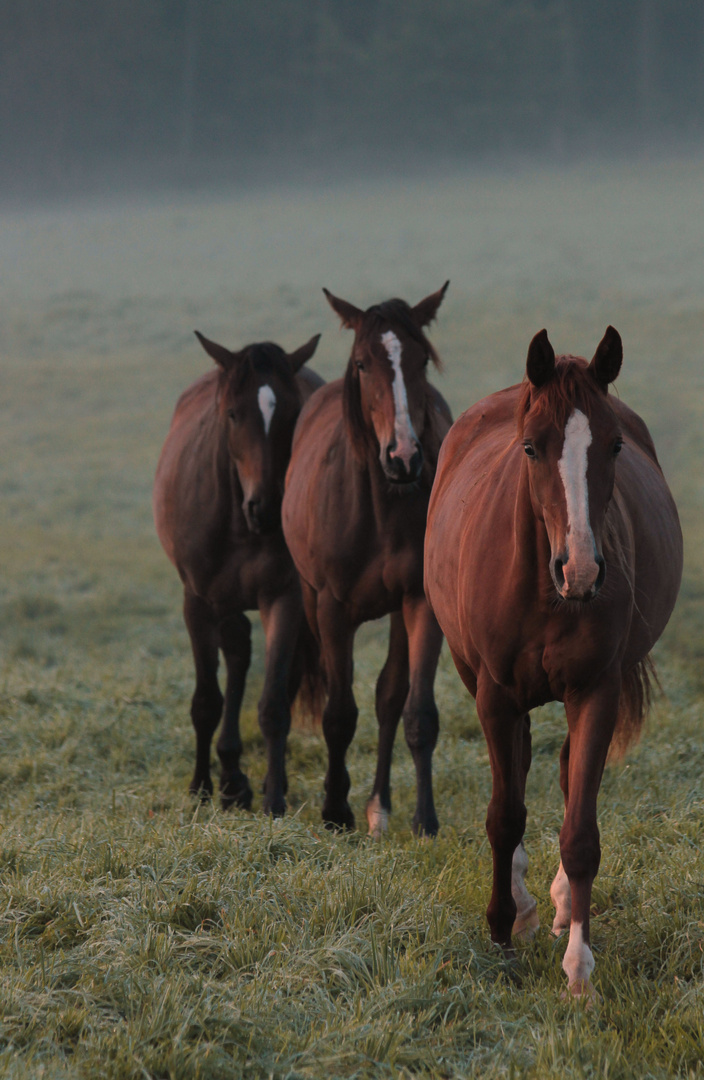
(197, 82)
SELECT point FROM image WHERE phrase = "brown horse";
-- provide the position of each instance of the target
(363, 460)
(217, 508)
(553, 562)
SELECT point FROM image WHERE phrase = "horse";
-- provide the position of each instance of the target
(553, 559)
(217, 510)
(354, 510)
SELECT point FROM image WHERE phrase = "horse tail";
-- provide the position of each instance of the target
(636, 697)
(310, 679)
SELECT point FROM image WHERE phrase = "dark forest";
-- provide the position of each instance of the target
(198, 88)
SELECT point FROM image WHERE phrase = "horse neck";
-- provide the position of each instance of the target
(227, 483)
(530, 536)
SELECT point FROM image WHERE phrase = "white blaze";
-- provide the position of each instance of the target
(267, 403)
(573, 471)
(403, 428)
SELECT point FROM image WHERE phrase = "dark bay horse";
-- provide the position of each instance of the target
(553, 562)
(217, 508)
(363, 460)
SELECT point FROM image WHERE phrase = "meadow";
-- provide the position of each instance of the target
(143, 935)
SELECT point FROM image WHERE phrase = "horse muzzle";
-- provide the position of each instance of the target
(578, 581)
(260, 516)
(402, 468)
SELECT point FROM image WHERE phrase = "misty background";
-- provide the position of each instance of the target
(201, 91)
(182, 165)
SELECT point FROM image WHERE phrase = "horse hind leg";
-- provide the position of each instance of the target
(560, 892)
(391, 694)
(281, 624)
(526, 922)
(207, 700)
(235, 641)
(420, 714)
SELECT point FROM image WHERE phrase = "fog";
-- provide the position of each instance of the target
(192, 93)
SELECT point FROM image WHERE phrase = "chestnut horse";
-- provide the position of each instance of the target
(553, 562)
(217, 508)
(362, 465)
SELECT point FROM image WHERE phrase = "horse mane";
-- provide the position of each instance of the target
(264, 358)
(390, 311)
(641, 682)
(572, 381)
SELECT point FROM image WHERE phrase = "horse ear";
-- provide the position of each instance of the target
(349, 314)
(424, 312)
(298, 358)
(608, 358)
(222, 356)
(540, 365)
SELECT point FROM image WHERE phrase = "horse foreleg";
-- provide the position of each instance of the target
(235, 641)
(282, 620)
(420, 714)
(591, 719)
(206, 704)
(505, 729)
(340, 714)
(391, 694)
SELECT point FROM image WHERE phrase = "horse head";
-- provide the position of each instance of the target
(571, 437)
(385, 392)
(259, 403)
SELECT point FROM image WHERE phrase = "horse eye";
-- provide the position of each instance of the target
(529, 449)
(618, 446)
(233, 415)
(359, 365)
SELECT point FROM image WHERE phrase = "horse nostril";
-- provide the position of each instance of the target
(600, 576)
(559, 574)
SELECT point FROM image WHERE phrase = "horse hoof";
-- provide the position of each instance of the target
(341, 820)
(276, 806)
(201, 791)
(581, 990)
(426, 830)
(236, 794)
(377, 818)
(526, 925)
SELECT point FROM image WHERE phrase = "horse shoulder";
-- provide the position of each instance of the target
(187, 497)
(470, 520)
(312, 480)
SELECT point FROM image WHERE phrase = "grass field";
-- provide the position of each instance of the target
(142, 936)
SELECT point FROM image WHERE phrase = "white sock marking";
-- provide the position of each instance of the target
(527, 921)
(267, 403)
(578, 962)
(573, 471)
(403, 428)
(377, 818)
(561, 896)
